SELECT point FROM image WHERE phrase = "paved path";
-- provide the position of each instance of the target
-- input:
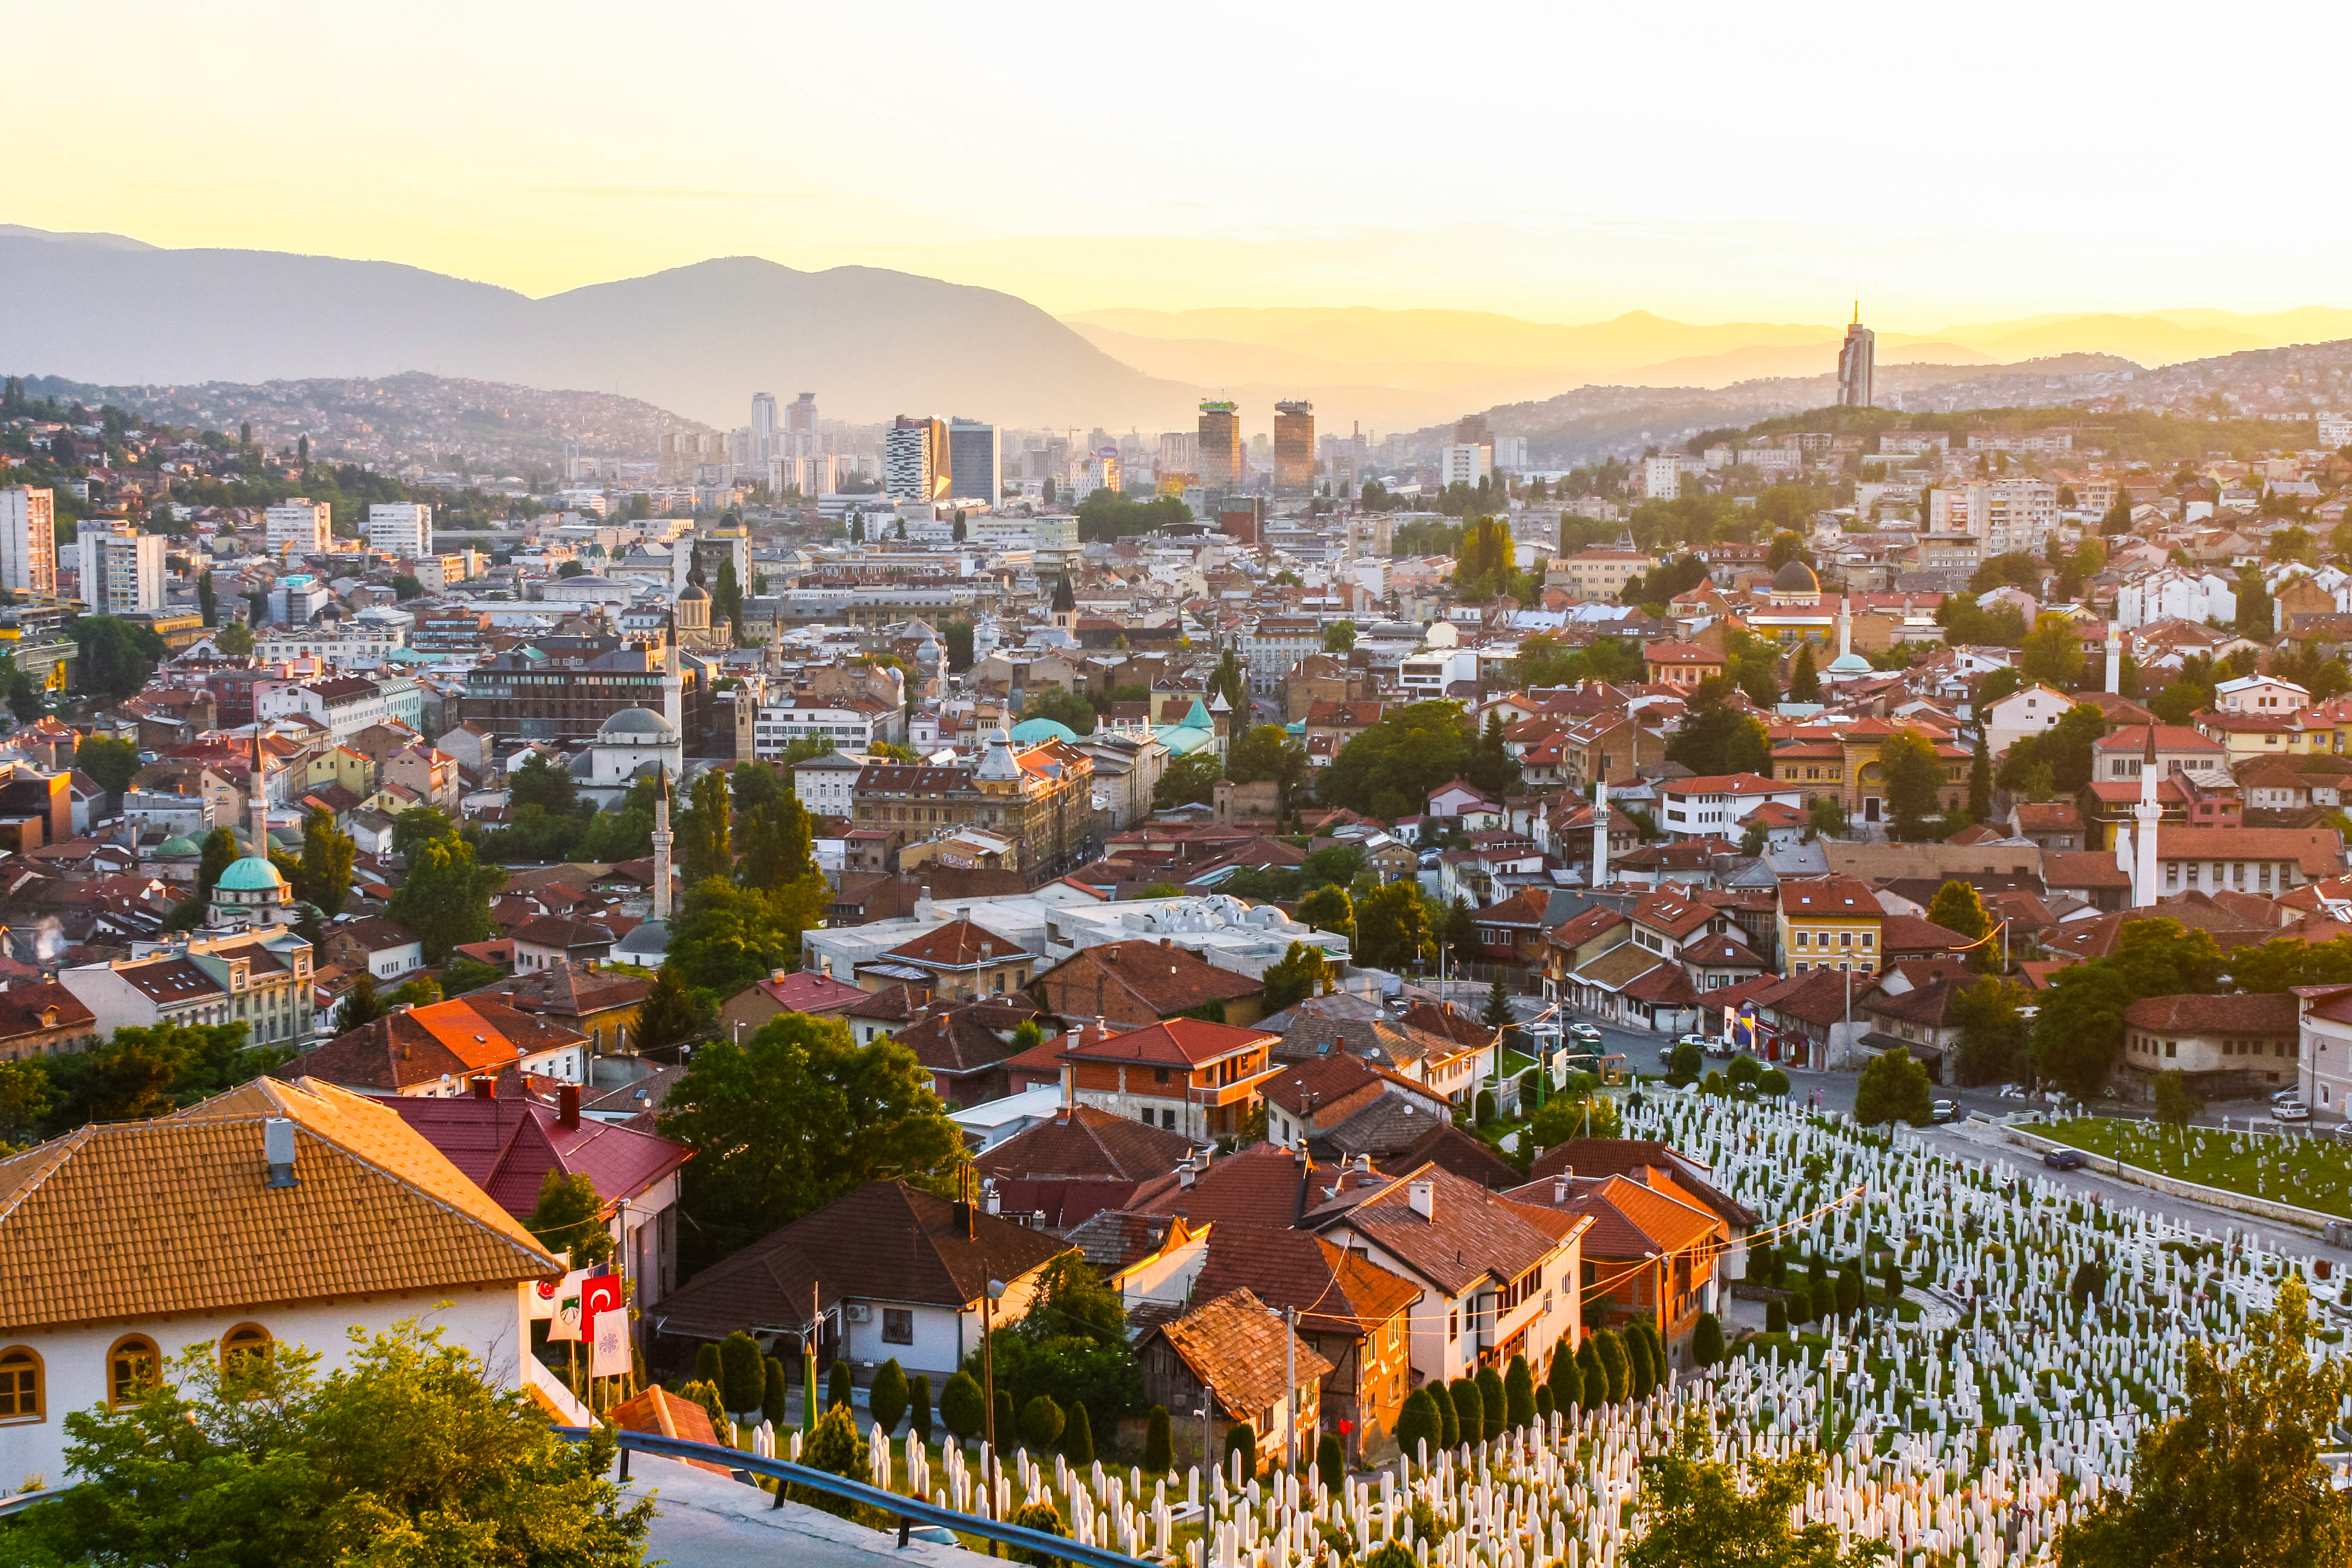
(708, 1520)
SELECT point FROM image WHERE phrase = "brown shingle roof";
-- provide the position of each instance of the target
(959, 944)
(1471, 1235)
(417, 1045)
(1336, 1290)
(1085, 1143)
(1239, 1351)
(1164, 977)
(154, 1218)
(2263, 1013)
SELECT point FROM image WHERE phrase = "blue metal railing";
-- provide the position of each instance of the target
(910, 1510)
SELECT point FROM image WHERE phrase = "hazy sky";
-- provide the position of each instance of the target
(1562, 161)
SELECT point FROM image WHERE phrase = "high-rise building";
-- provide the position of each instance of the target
(764, 429)
(28, 540)
(801, 415)
(121, 569)
(1857, 364)
(300, 524)
(971, 461)
(1293, 448)
(914, 459)
(403, 530)
(1220, 453)
(1464, 463)
(1180, 452)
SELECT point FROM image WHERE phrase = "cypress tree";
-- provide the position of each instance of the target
(1417, 1424)
(706, 1362)
(1613, 1364)
(742, 1373)
(1545, 1405)
(1159, 1451)
(1449, 1415)
(1641, 1373)
(1469, 1410)
(1078, 1439)
(962, 1407)
(780, 1382)
(887, 1397)
(1706, 1341)
(1593, 1374)
(1519, 1395)
(919, 1408)
(1491, 1402)
(1008, 1426)
(837, 1388)
(1567, 1381)
(1331, 1462)
(1242, 1439)
(1775, 1317)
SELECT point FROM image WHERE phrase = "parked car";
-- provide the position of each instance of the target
(1947, 1111)
(2065, 1159)
(2281, 1096)
(1585, 1034)
(2290, 1111)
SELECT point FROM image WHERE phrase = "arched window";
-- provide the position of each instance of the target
(131, 1368)
(246, 1348)
(20, 1385)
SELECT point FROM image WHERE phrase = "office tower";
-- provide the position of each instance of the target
(28, 540)
(1857, 363)
(121, 569)
(1180, 452)
(971, 461)
(763, 427)
(1293, 448)
(914, 454)
(403, 530)
(801, 417)
(1220, 455)
(301, 525)
(1510, 453)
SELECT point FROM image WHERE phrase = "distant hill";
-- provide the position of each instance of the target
(700, 340)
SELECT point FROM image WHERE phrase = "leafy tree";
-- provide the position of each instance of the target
(1159, 1447)
(1390, 768)
(411, 1442)
(795, 1116)
(962, 1406)
(570, 1219)
(2063, 748)
(2053, 654)
(116, 655)
(1718, 738)
(1267, 754)
(726, 935)
(1913, 776)
(2237, 1477)
(362, 1003)
(1893, 1087)
(1304, 971)
(2078, 1029)
(1230, 679)
(1826, 818)
(669, 1016)
(2256, 615)
(885, 1397)
(1995, 1041)
(462, 974)
(1188, 781)
(1702, 1512)
(705, 846)
(146, 1070)
(1392, 928)
(1957, 908)
(2175, 1105)
(236, 639)
(1064, 707)
(418, 824)
(446, 900)
(1804, 680)
(1334, 865)
(328, 856)
(112, 763)
(1339, 637)
(1575, 1114)
(1328, 908)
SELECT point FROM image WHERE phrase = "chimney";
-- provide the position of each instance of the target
(567, 1105)
(962, 1220)
(991, 1199)
(1185, 1174)
(777, 975)
(1560, 1189)
(278, 1149)
(485, 1086)
(1423, 1197)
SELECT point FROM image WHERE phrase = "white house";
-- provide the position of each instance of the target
(2027, 711)
(2265, 696)
(1700, 807)
(297, 1212)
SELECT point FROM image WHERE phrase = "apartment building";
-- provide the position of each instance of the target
(400, 529)
(301, 526)
(28, 540)
(120, 570)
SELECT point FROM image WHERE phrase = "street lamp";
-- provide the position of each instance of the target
(988, 1382)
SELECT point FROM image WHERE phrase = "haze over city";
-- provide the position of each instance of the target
(1207, 787)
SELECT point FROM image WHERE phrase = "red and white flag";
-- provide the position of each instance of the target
(546, 1293)
(597, 1296)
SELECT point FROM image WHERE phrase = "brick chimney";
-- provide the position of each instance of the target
(567, 1105)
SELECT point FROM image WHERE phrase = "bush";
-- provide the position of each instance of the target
(919, 1408)
(1610, 1349)
(1706, 1341)
(1567, 1383)
(835, 1447)
(772, 1398)
(1331, 1462)
(1773, 1081)
(707, 1396)
(1486, 1106)
(1078, 1437)
(964, 1410)
(1714, 1086)
(1449, 1415)
(1685, 1065)
(1008, 1426)
(742, 1373)
(1240, 1438)
(1418, 1423)
(1390, 1554)
(837, 1388)
(706, 1364)
(1519, 1395)
(887, 1397)
(1849, 1290)
(1040, 1423)
(1491, 1405)
(1744, 1070)
(1038, 1516)
(1159, 1449)
(1470, 1409)
(1801, 1305)
(1775, 1317)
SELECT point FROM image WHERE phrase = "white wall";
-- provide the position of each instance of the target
(486, 1321)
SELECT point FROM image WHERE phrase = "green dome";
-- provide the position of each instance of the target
(179, 845)
(1030, 731)
(251, 875)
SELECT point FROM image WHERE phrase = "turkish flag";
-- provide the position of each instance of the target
(602, 1294)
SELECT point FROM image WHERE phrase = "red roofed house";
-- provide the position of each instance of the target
(1717, 805)
(506, 1147)
(2225, 1047)
(433, 1050)
(1650, 1252)
(544, 941)
(785, 990)
(1189, 1075)
(957, 960)
(1142, 982)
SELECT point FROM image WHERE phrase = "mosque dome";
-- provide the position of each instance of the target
(177, 846)
(251, 875)
(1029, 731)
(1796, 577)
(692, 591)
(642, 726)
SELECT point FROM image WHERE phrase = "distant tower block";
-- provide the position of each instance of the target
(1857, 364)
(1293, 448)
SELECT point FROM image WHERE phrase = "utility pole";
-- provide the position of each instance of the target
(1290, 1389)
(808, 1366)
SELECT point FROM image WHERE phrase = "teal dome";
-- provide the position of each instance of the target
(251, 875)
(1029, 731)
(1183, 740)
(179, 845)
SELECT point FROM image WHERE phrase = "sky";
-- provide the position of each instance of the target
(1564, 163)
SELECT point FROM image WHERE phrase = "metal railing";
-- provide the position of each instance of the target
(910, 1511)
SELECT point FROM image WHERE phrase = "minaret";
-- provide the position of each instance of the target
(674, 691)
(2114, 660)
(260, 797)
(661, 844)
(1845, 627)
(2145, 815)
(1600, 825)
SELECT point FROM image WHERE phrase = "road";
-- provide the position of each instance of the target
(706, 1520)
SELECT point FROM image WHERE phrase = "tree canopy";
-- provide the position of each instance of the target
(1390, 768)
(2078, 1030)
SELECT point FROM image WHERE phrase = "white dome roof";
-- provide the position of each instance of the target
(635, 724)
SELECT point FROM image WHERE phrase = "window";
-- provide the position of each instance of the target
(20, 1385)
(1168, 1120)
(247, 1349)
(131, 1368)
(897, 1325)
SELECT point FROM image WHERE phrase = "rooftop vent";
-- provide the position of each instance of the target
(278, 1149)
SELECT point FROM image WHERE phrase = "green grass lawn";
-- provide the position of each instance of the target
(2318, 1173)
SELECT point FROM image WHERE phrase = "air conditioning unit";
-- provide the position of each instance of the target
(860, 1313)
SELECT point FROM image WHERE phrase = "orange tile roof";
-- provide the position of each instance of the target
(143, 1219)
